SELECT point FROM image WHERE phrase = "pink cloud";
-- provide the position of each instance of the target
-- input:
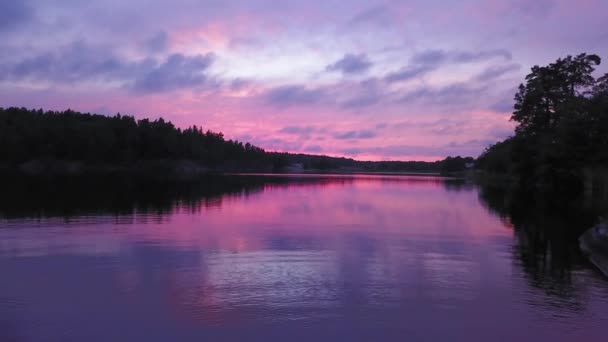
(454, 68)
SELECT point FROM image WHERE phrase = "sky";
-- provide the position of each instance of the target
(371, 80)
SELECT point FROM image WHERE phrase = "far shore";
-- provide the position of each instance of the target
(183, 169)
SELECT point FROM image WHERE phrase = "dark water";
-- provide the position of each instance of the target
(294, 258)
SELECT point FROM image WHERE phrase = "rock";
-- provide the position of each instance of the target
(594, 243)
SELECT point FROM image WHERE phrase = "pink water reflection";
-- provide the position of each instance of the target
(418, 207)
(324, 257)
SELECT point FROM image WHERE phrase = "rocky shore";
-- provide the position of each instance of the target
(594, 243)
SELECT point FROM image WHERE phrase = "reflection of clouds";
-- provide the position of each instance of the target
(370, 252)
(379, 274)
(367, 204)
(43, 241)
(272, 278)
(450, 277)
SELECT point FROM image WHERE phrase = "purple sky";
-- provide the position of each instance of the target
(418, 79)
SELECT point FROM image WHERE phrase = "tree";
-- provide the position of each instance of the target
(562, 125)
(547, 89)
(496, 158)
(455, 164)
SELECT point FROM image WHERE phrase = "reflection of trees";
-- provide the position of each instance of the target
(546, 227)
(457, 184)
(121, 196)
(67, 197)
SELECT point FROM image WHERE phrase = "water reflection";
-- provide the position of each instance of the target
(546, 229)
(308, 257)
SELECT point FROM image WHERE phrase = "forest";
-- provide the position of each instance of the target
(45, 137)
(561, 135)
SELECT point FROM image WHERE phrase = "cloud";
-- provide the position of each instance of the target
(313, 149)
(376, 15)
(298, 130)
(429, 57)
(408, 73)
(536, 8)
(501, 133)
(238, 84)
(306, 132)
(74, 62)
(503, 106)
(363, 100)
(14, 13)
(271, 69)
(427, 61)
(176, 72)
(496, 71)
(469, 57)
(363, 94)
(80, 62)
(456, 94)
(295, 94)
(466, 148)
(351, 64)
(504, 103)
(420, 64)
(447, 127)
(437, 57)
(276, 144)
(158, 43)
(362, 134)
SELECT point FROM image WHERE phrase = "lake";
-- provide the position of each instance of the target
(298, 258)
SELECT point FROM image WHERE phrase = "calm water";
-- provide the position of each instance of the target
(299, 258)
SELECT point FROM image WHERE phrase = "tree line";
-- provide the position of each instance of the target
(30, 135)
(69, 135)
(561, 113)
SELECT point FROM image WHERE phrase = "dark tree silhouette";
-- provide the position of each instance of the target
(33, 134)
(562, 125)
(99, 141)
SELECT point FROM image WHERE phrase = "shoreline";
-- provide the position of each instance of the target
(181, 169)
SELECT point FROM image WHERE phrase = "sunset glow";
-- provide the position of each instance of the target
(377, 80)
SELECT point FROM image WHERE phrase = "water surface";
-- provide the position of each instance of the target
(304, 258)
